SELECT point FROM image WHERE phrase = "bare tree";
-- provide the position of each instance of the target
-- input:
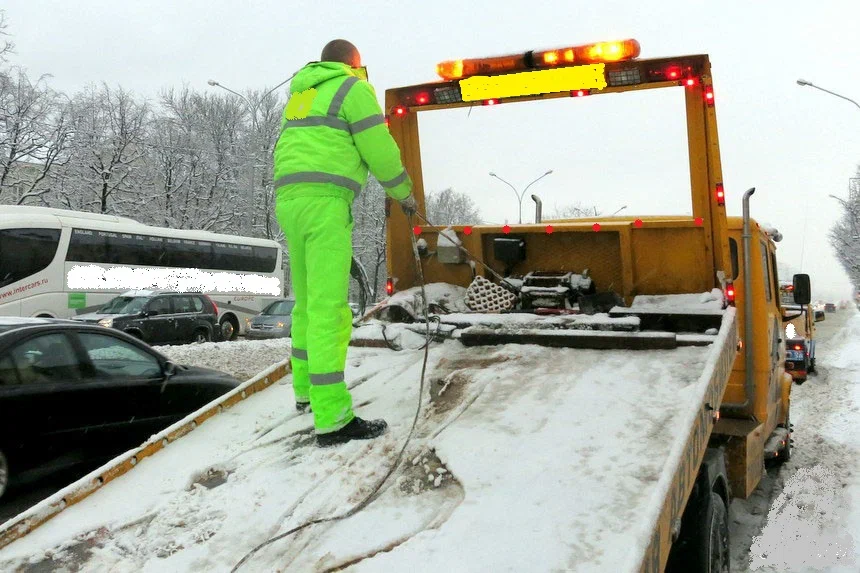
(845, 233)
(574, 211)
(6, 45)
(34, 136)
(107, 152)
(369, 241)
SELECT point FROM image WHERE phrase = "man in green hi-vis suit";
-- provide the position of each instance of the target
(332, 132)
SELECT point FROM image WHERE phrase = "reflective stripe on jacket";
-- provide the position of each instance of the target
(332, 132)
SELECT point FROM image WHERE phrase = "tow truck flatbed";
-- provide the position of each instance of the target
(527, 458)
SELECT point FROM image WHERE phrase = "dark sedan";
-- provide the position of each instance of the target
(72, 393)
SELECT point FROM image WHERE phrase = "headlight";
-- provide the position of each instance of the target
(280, 325)
(106, 322)
(247, 321)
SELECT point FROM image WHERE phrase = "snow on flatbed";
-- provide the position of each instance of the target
(529, 458)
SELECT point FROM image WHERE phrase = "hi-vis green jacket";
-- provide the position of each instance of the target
(332, 131)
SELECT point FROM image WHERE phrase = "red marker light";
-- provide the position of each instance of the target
(690, 82)
(549, 229)
(467, 230)
(416, 230)
(399, 110)
(673, 73)
(579, 93)
(389, 287)
(422, 98)
(700, 221)
(637, 223)
(721, 195)
(506, 229)
(709, 95)
(387, 121)
(730, 293)
(490, 102)
(596, 227)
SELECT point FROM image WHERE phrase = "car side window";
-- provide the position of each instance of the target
(159, 305)
(198, 303)
(116, 358)
(184, 304)
(8, 374)
(48, 358)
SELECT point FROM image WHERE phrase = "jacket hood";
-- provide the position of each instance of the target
(316, 73)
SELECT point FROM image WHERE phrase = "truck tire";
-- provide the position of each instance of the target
(4, 474)
(715, 537)
(785, 451)
(705, 546)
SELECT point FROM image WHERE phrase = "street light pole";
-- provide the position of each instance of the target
(802, 82)
(517, 193)
(618, 211)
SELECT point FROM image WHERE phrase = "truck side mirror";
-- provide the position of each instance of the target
(802, 289)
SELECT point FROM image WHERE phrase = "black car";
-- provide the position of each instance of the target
(73, 393)
(160, 317)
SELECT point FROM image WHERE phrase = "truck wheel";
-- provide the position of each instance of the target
(715, 532)
(811, 369)
(785, 451)
(4, 474)
(704, 542)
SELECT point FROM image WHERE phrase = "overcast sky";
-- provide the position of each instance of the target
(796, 145)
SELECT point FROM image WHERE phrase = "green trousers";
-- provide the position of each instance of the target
(319, 238)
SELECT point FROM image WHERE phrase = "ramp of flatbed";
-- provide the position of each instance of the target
(529, 459)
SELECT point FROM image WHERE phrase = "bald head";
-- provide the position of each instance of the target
(343, 52)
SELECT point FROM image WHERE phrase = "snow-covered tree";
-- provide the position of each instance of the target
(845, 233)
(6, 45)
(34, 136)
(449, 207)
(107, 152)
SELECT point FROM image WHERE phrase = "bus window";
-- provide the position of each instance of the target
(25, 252)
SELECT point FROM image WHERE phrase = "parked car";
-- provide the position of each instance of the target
(160, 317)
(829, 307)
(73, 393)
(275, 321)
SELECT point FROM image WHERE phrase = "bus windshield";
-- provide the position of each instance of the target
(124, 305)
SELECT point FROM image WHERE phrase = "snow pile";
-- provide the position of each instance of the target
(444, 296)
(514, 320)
(448, 238)
(240, 358)
(679, 303)
(800, 531)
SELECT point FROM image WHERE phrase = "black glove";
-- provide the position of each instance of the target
(409, 205)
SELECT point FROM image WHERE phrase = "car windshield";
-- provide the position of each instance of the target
(124, 305)
(279, 308)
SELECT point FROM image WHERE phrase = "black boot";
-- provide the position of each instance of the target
(303, 407)
(357, 429)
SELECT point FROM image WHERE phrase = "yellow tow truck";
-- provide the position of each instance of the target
(656, 378)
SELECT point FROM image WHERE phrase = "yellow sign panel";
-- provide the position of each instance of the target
(554, 80)
(299, 105)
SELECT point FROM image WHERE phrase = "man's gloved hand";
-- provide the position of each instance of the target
(409, 205)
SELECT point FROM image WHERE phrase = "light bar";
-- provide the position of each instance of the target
(599, 52)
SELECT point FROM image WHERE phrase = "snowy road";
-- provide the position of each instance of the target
(806, 516)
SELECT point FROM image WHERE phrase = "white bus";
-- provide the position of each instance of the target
(57, 263)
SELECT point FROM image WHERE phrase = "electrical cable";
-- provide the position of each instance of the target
(377, 489)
